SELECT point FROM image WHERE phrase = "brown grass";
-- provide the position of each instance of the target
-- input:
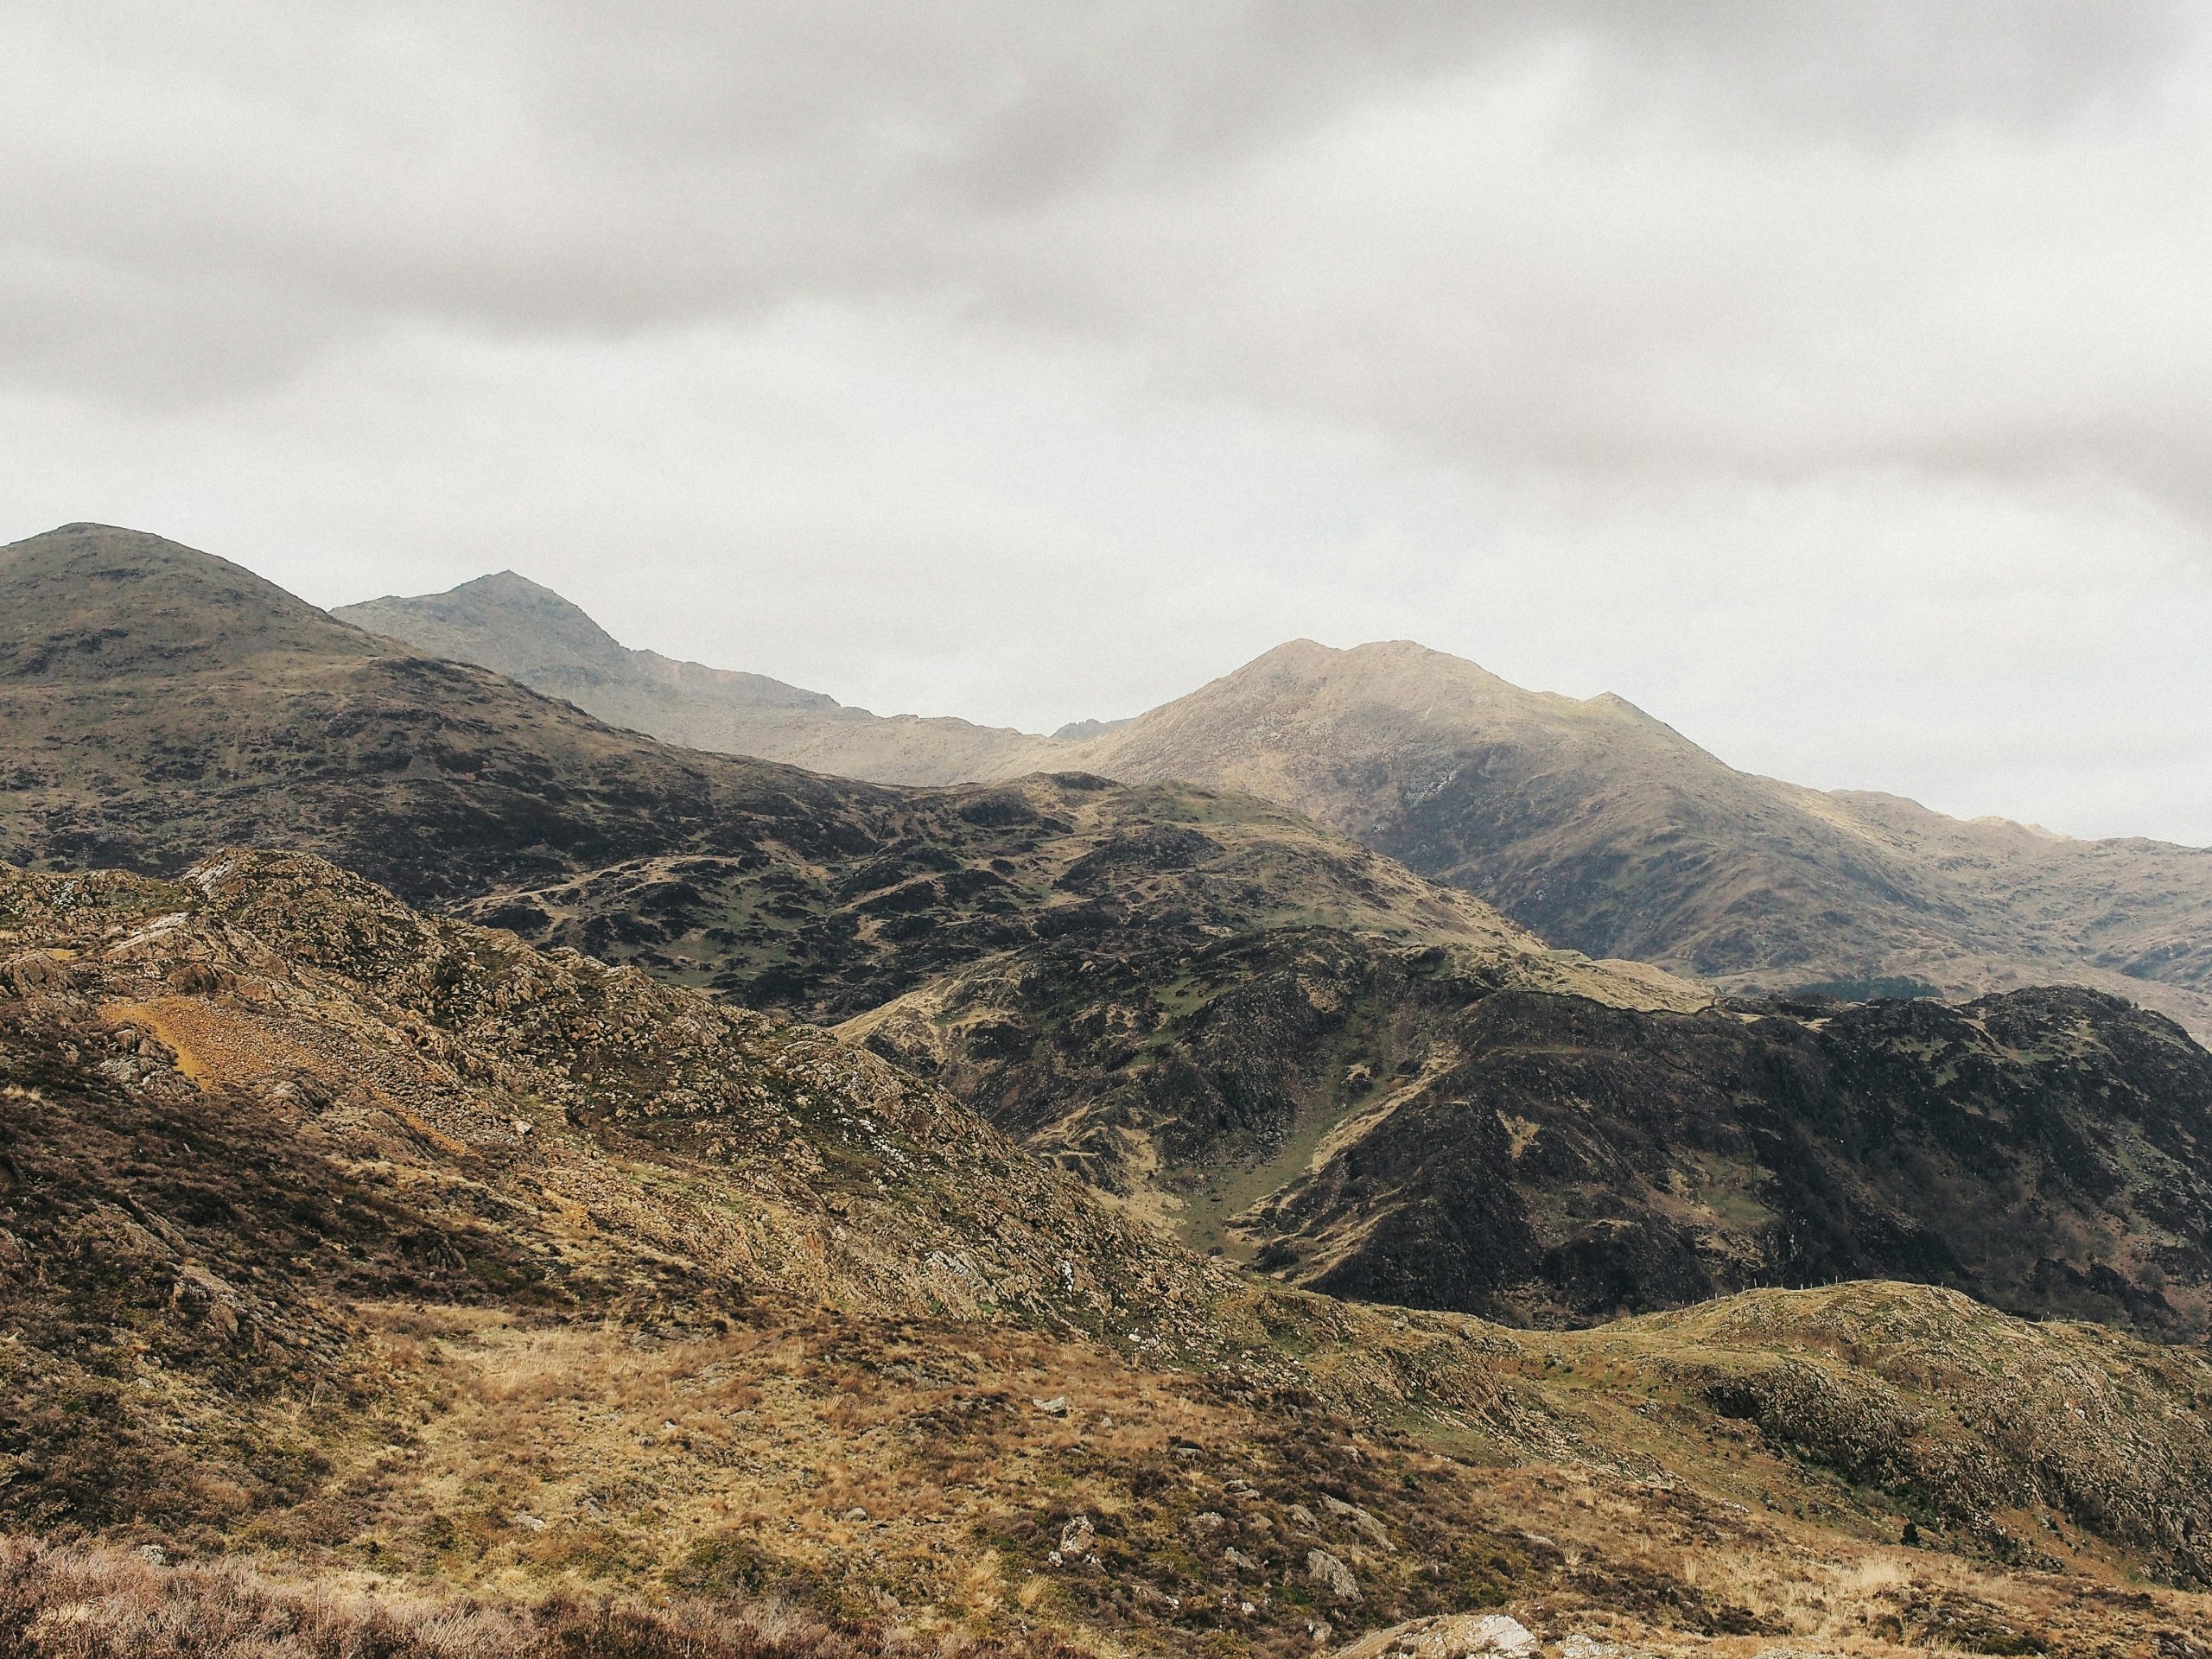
(61, 1603)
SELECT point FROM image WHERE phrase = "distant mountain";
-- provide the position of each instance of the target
(1607, 831)
(530, 633)
(1587, 821)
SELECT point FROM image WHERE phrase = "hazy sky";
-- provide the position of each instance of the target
(1833, 380)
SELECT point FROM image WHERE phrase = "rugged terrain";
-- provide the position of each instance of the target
(1392, 1122)
(1607, 831)
(355, 1246)
(1599, 828)
(1268, 1038)
(160, 703)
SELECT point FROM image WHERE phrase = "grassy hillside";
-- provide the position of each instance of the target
(360, 1249)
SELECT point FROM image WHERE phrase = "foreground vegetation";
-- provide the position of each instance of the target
(383, 1254)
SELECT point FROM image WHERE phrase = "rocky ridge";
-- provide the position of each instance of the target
(1408, 1125)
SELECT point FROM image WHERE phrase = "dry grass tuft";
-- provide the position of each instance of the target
(62, 1602)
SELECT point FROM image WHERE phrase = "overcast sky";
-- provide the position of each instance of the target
(1833, 381)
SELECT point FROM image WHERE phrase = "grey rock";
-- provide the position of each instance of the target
(1330, 1576)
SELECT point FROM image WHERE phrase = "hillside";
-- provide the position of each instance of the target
(1265, 1037)
(395, 1285)
(1400, 1124)
(1586, 821)
(530, 633)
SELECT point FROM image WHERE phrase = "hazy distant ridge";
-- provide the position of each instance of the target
(511, 624)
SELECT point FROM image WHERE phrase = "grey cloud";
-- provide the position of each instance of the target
(1163, 328)
(580, 164)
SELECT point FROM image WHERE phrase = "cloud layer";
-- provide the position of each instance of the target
(1828, 380)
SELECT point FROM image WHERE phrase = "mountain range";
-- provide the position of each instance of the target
(1275, 1041)
(616, 1197)
(1586, 821)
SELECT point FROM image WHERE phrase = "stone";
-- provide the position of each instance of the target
(1363, 1524)
(1077, 1536)
(34, 973)
(1330, 1576)
(1237, 1559)
(1055, 1407)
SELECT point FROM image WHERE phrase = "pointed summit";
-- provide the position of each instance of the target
(504, 622)
(512, 625)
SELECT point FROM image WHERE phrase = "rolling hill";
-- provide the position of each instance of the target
(1262, 1035)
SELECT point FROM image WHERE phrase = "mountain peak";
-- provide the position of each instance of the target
(504, 621)
(89, 599)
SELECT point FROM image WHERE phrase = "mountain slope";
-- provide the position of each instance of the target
(1398, 1124)
(158, 702)
(1587, 821)
(515, 628)
(742, 1315)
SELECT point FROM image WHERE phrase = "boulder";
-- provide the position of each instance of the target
(34, 973)
(1330, 1576)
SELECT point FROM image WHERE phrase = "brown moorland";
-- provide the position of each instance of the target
(385, 1256)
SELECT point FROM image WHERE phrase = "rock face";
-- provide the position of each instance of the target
(1330, 1576)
